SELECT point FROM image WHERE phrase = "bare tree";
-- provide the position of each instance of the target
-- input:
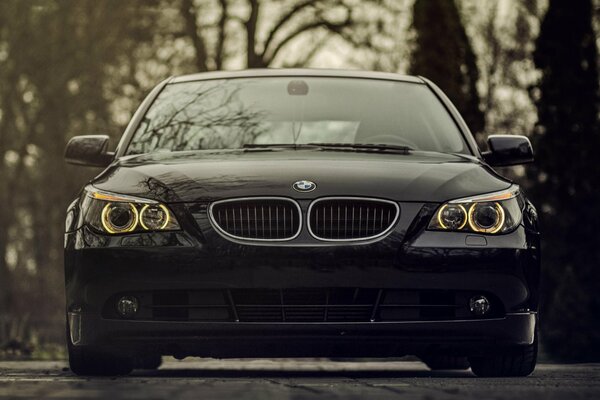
(268, 30)
(54, 59)
(505, 44)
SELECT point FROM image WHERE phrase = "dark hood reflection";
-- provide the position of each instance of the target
(210, 175)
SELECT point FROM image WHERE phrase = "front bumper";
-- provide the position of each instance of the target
(377, 339)
(97, 270)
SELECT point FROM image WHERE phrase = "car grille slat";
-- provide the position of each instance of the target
(270, 220)
(257, 218)
(351, 218)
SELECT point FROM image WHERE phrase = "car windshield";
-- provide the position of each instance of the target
(242, 112)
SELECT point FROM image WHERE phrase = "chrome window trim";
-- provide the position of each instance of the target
(227, 235)
(362, 239)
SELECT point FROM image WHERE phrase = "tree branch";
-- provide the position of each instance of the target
(188, 13)
(253, 60)
(329, 26)
(284, 19)
(303, 62)
(221, 35)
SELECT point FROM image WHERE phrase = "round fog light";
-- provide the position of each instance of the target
(479, 305)
(127, 306)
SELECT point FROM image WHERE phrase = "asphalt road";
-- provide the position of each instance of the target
(295, 379)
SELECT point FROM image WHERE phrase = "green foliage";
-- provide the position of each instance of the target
(444, 54)
(565, 179)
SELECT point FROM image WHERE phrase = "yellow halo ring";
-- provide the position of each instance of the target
(161, 206)
(493, 229)
(439, 216)
(107, 225)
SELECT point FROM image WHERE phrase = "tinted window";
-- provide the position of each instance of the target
(220, 114)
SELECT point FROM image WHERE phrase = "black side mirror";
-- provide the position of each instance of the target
(508, 150)
(89, 150)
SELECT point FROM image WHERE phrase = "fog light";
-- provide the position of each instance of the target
(479, 305)
(127, 306)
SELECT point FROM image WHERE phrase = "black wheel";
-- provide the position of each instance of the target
(86, 361)
(152, 361)
(516, 362)
(89, 362)
(444, 362)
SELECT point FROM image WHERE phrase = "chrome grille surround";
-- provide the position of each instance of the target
(217, 223)
(384, 229)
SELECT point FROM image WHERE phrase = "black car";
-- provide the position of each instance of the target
(301, 213)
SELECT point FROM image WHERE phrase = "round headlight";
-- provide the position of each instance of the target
(486, 217)
(119, 217)
(452, 216)
(154, 217)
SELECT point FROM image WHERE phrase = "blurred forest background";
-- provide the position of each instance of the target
(72, 67)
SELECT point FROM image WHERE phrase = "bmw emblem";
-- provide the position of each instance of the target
(304, 186)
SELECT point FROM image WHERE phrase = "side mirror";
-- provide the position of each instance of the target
(508, 150)
(89, 150)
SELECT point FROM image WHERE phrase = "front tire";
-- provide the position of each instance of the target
(84, 361)
(148, 362)
(518, 362)
(444, 362)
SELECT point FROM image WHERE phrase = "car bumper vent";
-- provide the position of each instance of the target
(290, 305)
(339, 219)
(305, 305)
(257, 218)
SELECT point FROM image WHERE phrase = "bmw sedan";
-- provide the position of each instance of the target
(301, 213)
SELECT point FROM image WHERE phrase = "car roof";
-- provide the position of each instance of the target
(291, 72)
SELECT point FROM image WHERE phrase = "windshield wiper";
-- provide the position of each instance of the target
(277, 145)
(368, 147)
(364, 146)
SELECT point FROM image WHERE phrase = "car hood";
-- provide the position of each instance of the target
(211, 175)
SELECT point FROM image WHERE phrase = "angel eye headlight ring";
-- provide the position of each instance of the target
(160, 220)
(448, 221)
(494, 210)
(125, 221)
(491, 213)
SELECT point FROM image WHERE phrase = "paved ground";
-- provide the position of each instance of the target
(295, 379)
